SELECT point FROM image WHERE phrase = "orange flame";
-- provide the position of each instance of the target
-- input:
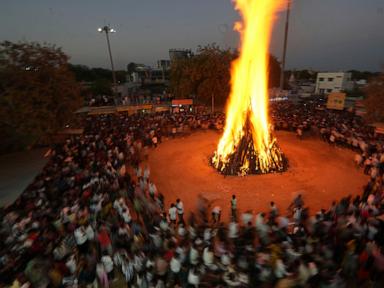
(249, 83)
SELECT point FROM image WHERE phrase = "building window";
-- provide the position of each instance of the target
(330, 79)
(329, 90)
(321, 79)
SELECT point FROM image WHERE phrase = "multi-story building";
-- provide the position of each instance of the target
(328, 82)
(175, 54)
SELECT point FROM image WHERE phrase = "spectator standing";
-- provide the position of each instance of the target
(172, 213)
(216, 214)
(180, 210)
(234, 208)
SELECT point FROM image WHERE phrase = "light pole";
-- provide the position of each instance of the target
(106, 29)
(285, 45)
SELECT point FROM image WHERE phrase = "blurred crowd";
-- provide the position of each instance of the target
(93, 217)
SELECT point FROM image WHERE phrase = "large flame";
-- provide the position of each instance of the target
(248, 100)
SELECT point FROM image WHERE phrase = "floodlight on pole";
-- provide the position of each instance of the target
(106, 29)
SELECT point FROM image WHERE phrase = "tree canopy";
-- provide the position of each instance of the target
(207, 73)
(374, 99)
(38, 93)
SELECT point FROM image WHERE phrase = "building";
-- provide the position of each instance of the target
(164, 64)
(175, 54)
(151, 75)
(328, 82)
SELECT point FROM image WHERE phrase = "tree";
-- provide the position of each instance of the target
(363, 75)
(374, 100)
(203, 75)
(38, 93)
(207, 74)
(101, 87)
(95, 75)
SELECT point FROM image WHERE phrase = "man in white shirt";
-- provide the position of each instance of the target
(175, 266)
(172, 212)
(233, 230)
(81, 239)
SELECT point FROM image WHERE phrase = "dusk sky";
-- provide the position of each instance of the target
(324, 34)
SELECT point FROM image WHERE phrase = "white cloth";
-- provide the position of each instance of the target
(71, 264)
(207, 257)
(193, 278)
(175, 265)
(172, 213)
(90, 233)
(233, 230)
(107, 262)
(180, 207)
(193, 256)
(80, 236)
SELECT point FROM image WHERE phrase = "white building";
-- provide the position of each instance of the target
(329, 82)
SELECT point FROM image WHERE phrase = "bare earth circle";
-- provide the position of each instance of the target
(320, 172)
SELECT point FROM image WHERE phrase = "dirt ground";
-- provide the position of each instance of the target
(320, 172)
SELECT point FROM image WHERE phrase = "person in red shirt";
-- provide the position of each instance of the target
(104, 240)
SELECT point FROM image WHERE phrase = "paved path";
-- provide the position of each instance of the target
(17, 171)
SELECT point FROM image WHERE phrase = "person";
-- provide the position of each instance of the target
(180, 210)
(274, 212)
(341, 245)
(152, 189)
(102, 275)
(298, 201)
(81, 239)
(108, 265)
(146, 173)
(216, 214)
(299, 132)
(175, 268)
(154, 141)
(172, 212)
(234, 208)
(104, 240)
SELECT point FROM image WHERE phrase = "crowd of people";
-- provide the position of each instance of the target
(93, 217)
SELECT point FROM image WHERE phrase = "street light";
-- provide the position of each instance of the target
(108, 30)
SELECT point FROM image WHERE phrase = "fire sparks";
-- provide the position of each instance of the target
(246, 146)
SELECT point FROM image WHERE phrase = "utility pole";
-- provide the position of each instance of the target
(285, 45)
(108, 30)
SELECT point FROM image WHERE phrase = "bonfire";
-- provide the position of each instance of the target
(247, 145)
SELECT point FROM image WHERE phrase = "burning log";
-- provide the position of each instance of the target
(245, 160)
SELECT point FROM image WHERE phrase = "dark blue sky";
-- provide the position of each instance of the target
(324, 34)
